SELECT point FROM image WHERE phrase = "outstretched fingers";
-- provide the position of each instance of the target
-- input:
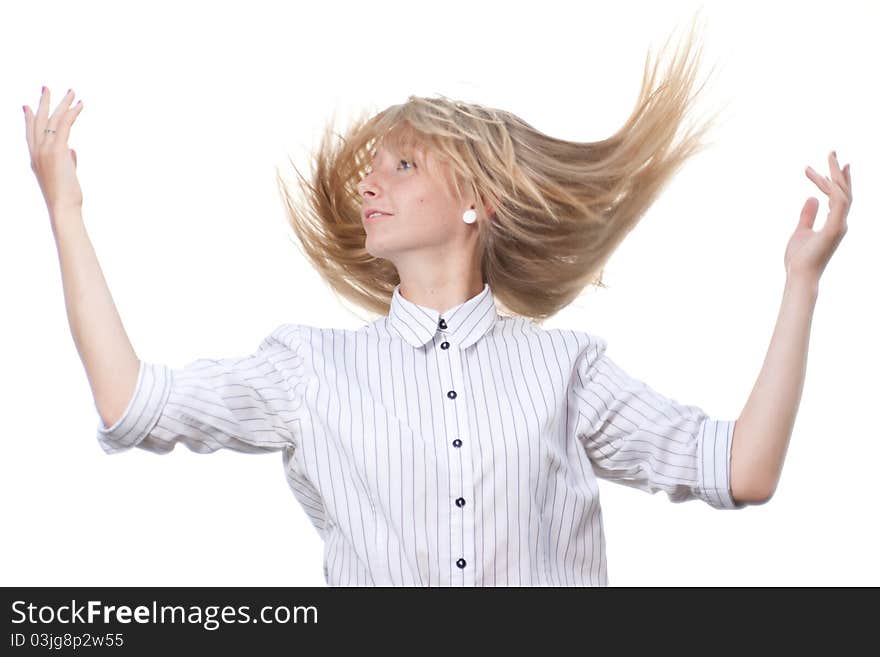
(60, 121)
(839, 190)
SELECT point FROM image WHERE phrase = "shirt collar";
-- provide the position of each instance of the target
(465, 323)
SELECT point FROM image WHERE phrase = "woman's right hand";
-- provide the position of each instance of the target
(52, 161)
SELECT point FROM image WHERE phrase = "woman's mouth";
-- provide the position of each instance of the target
(376, 217)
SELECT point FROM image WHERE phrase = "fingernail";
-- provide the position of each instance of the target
(44, 89)
(24, 108)
(834, 153)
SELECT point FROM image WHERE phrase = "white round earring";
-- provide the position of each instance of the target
(469, 217)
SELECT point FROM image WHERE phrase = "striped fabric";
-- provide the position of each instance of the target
(440, 449)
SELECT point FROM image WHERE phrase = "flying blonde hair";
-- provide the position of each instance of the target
(561, 208)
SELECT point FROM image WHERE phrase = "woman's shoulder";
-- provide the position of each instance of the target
(294, 335)
(529, 327)
(290, 335)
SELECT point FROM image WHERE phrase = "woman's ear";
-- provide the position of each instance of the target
(487, 207)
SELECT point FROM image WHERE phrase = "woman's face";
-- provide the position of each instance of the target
(424, 216)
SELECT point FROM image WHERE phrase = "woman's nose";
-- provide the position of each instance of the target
(365, 186)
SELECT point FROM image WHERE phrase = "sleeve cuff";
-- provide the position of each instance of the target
(713, 464)
(143, 411)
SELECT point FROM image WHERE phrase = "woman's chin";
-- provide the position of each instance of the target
(377, 247)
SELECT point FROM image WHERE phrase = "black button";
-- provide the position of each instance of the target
(461, 563)
(451, 394)
(456, 442)
(444, 345)
(442, 323)
(459, 502)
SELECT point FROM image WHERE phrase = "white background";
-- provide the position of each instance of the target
(188, 109)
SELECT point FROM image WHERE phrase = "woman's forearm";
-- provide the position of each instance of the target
(109, 359)
(762, 432)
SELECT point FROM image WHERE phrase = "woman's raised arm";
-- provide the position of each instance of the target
(103, 345)
(109, 359)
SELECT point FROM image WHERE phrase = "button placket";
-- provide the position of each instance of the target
(449, 380)
(461, 475)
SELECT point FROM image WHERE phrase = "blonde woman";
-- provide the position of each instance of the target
(454, 441)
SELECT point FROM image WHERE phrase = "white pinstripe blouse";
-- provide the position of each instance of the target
(440, 449)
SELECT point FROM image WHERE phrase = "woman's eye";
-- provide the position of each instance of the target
(411, 164)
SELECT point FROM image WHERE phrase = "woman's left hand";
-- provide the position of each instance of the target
(809, 251)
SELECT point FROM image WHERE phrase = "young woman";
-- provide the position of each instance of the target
(453, 441)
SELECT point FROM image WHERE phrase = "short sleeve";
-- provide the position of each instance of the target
(247, 404)
(642, 439)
